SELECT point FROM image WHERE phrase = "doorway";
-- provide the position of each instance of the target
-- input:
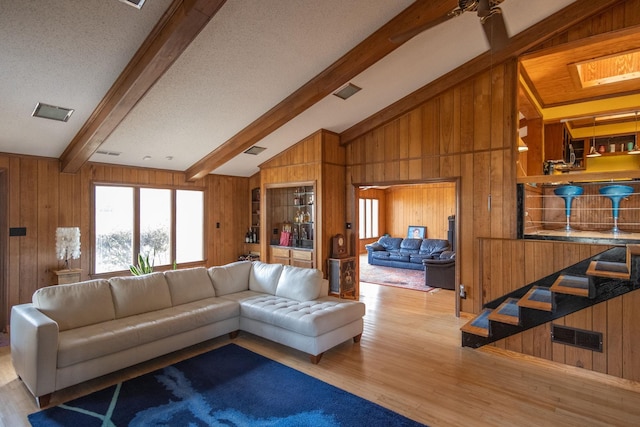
(428, 204)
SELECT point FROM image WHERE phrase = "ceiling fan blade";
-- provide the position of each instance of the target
(495, 29)
(407, 35)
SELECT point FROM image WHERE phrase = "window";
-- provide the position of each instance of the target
(132, 220)
(369, 209)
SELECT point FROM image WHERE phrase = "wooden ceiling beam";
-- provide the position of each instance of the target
(516, 46)
(178, 27)
(358, 59)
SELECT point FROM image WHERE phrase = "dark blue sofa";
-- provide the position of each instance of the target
(404, 253)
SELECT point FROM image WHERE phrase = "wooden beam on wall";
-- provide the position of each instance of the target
(517, 45)
(178, 27)
(358, 59)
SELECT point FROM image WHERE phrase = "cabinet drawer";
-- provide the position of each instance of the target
(280, 252)
(303, 255)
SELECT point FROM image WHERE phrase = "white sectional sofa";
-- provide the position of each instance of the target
(72, 333)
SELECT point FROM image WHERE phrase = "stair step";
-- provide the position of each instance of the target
(479, 325)
(616, 270)
(507, 312)
(571, 285)
(538, 298)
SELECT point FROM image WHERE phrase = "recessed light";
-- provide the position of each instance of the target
(46, 111)
(347, 91)
(146, 158)
(255, 150)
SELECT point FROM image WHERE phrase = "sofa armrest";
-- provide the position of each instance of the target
(375, 246)
(34, 348)
(439, 262)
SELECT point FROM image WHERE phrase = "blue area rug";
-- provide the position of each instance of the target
(229, 386)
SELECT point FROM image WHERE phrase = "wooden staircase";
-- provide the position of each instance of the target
(607, 275)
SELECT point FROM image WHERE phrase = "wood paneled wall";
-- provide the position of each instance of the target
(318, 158)
(428, 205)
(40, 198)
(467, 132)
(510, 264)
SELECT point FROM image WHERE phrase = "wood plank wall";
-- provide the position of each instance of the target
(509, 264)
(468, 132)
(429, 205)
(318, 158)
(40, 198)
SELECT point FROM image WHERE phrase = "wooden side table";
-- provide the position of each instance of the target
(62, 277)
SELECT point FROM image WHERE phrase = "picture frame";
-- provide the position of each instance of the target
(417, 232)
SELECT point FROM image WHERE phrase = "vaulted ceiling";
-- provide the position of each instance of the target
(189, 85)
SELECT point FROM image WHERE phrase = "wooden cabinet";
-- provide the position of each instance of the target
(255, 215)
(317, 162)
(342, 277)
(295, 257)
(290, 215)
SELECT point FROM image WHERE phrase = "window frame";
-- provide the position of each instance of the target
(136, 225)
(368, 216)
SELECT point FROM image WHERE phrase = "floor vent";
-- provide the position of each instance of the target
(588, 340)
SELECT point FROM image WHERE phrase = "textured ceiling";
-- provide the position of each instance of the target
(249, 57)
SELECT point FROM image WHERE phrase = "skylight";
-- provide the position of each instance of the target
(609, 69)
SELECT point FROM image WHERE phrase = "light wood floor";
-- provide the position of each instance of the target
(410, 360)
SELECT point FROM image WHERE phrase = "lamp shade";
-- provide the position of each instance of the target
(67, 243)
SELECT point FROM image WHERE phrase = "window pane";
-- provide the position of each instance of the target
(114, 228)
(362, 216)
(368, 221)
(375, 218)
(189, 226)
(155, 225)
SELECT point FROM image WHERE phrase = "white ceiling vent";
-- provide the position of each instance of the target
(347, 91)
(108, 153)
(135, 3)
(255, 150)
(46, 111)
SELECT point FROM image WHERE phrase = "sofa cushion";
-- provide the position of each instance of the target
(380, 254)
(434, 246)
(390, 243)
(310, 318)
(189, 284)
(264, 277)
(139, 294)
(77, 304)
(230, 278)
(411, 245)
(98, 340)
(300, 284)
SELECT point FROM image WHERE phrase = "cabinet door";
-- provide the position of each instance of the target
(302, 258)
(280, 256)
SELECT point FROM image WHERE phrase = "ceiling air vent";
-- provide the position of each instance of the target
(108, 153)
(135, 3)
(255, 150)
(347, 91)
(46, 111)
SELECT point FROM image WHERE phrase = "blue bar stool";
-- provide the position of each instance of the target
(568, 192)
(616, 193)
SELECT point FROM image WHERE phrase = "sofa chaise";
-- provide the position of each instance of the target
(404, 253)
(72, 333)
